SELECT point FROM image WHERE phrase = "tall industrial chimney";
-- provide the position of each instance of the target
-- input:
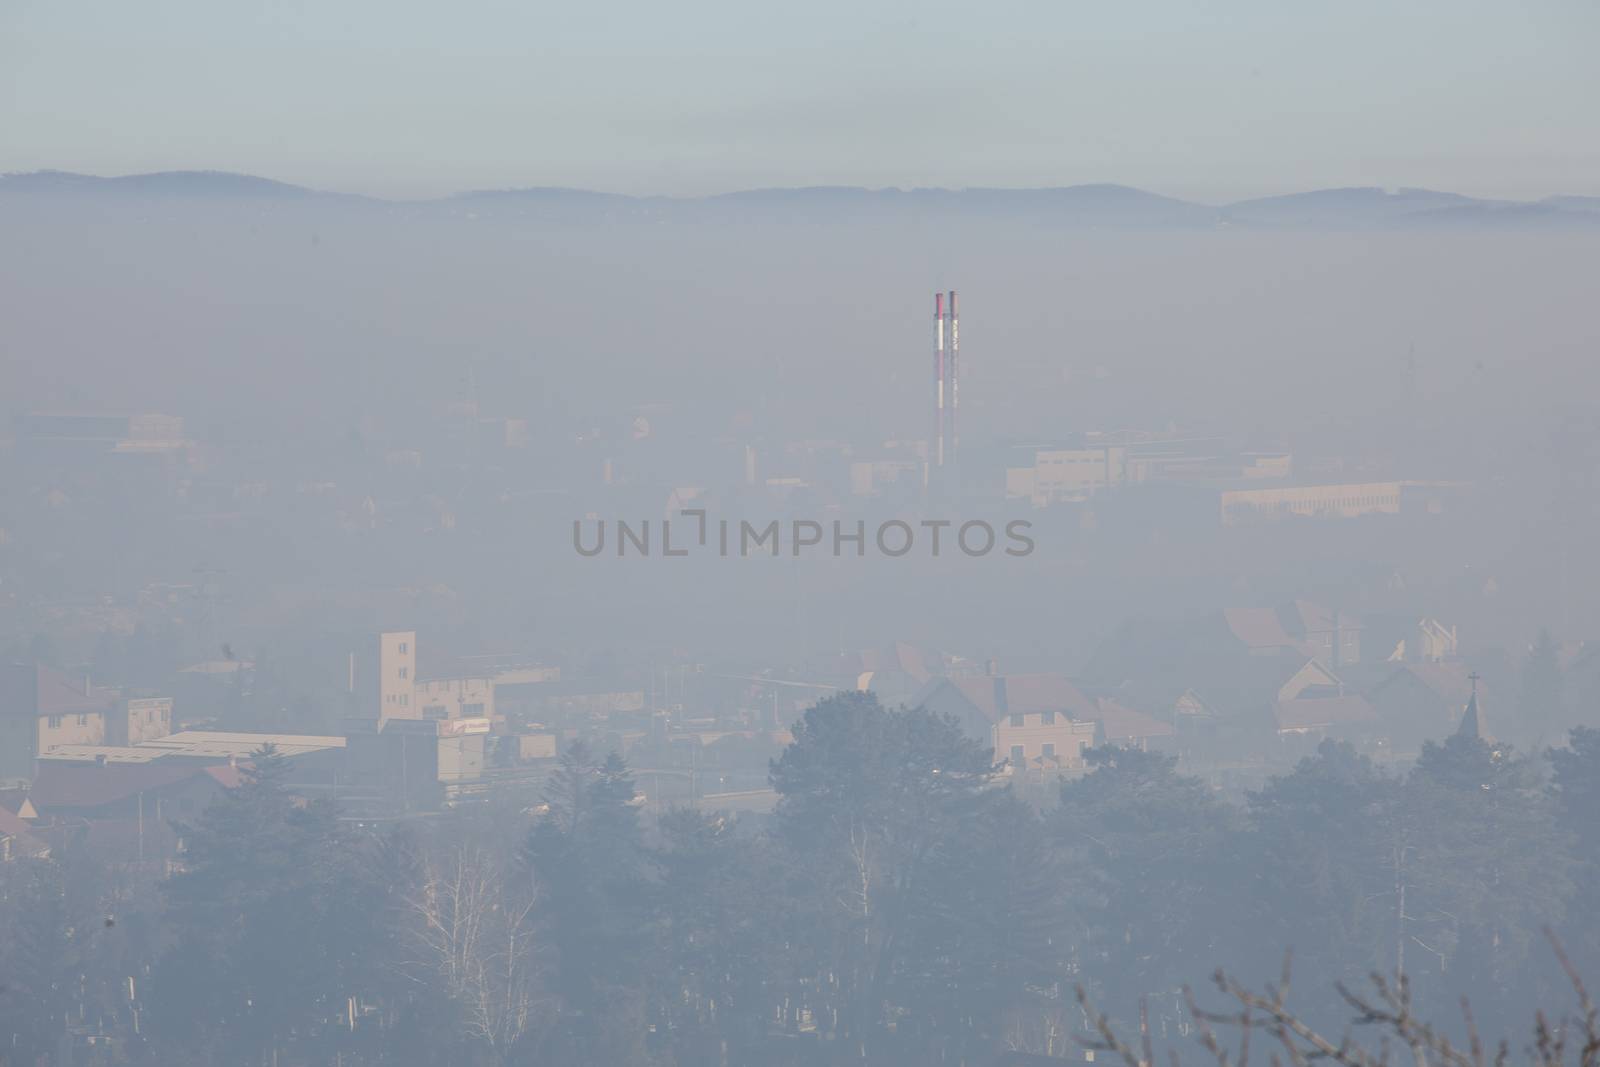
(955, 378)
(938, 380)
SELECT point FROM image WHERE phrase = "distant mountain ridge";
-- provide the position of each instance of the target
(163, 183)
(1362, 205)
(1108, 205)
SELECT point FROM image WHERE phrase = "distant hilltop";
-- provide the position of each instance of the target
(1104, 205)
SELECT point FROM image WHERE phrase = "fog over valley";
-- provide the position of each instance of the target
(831, 549)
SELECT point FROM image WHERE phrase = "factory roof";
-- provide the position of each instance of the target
(220, 744)
(193, 745)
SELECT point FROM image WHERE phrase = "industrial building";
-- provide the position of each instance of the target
(388, 685)
(1093, 462)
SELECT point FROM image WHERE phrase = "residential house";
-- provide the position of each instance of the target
(1259, 631)
(1343, 716)
(1331, 637)
(1035, 722)
(1409, 639)
(895, 673)
(1179, 651)
(1328, 635)
(1423, 701)
(40, 708)
(1175, 703)
(17, 839)
(1124, 727)
(127, 810)
(1298, 696)
(1237, 682)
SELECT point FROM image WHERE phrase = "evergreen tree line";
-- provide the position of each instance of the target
(901, 906)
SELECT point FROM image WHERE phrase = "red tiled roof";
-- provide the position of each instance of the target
(77, 786)
(35, 689)
(11, 824)
(918, 663)
(1258, 628)
(1018, 694)
(22, 839)
(1120, 723)
(60, 695)
(1307, 617)
(228, 776)
(1449, 680)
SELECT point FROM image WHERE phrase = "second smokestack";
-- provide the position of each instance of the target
(955, 377)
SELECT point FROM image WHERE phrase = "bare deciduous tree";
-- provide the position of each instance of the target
(474, 936)
(1573, 1041)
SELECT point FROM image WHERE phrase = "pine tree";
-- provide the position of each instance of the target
(1575, 792)
(40, 959)
(1148, 850)
(1334, 851)
(268, 934)
(587, 859)
(1493, 867)
(718, 931)
(878, 810)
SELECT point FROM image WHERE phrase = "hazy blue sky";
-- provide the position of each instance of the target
(1187, 97)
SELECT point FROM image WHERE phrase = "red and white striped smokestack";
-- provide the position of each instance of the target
(955, 376)
(938, 379)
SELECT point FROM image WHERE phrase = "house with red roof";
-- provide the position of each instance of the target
(1034, 722)
(17, 839)
(1345, 716)
(1125, 727)
(124, 809)
(41, 707)
(895, 673)
(1423, 701)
